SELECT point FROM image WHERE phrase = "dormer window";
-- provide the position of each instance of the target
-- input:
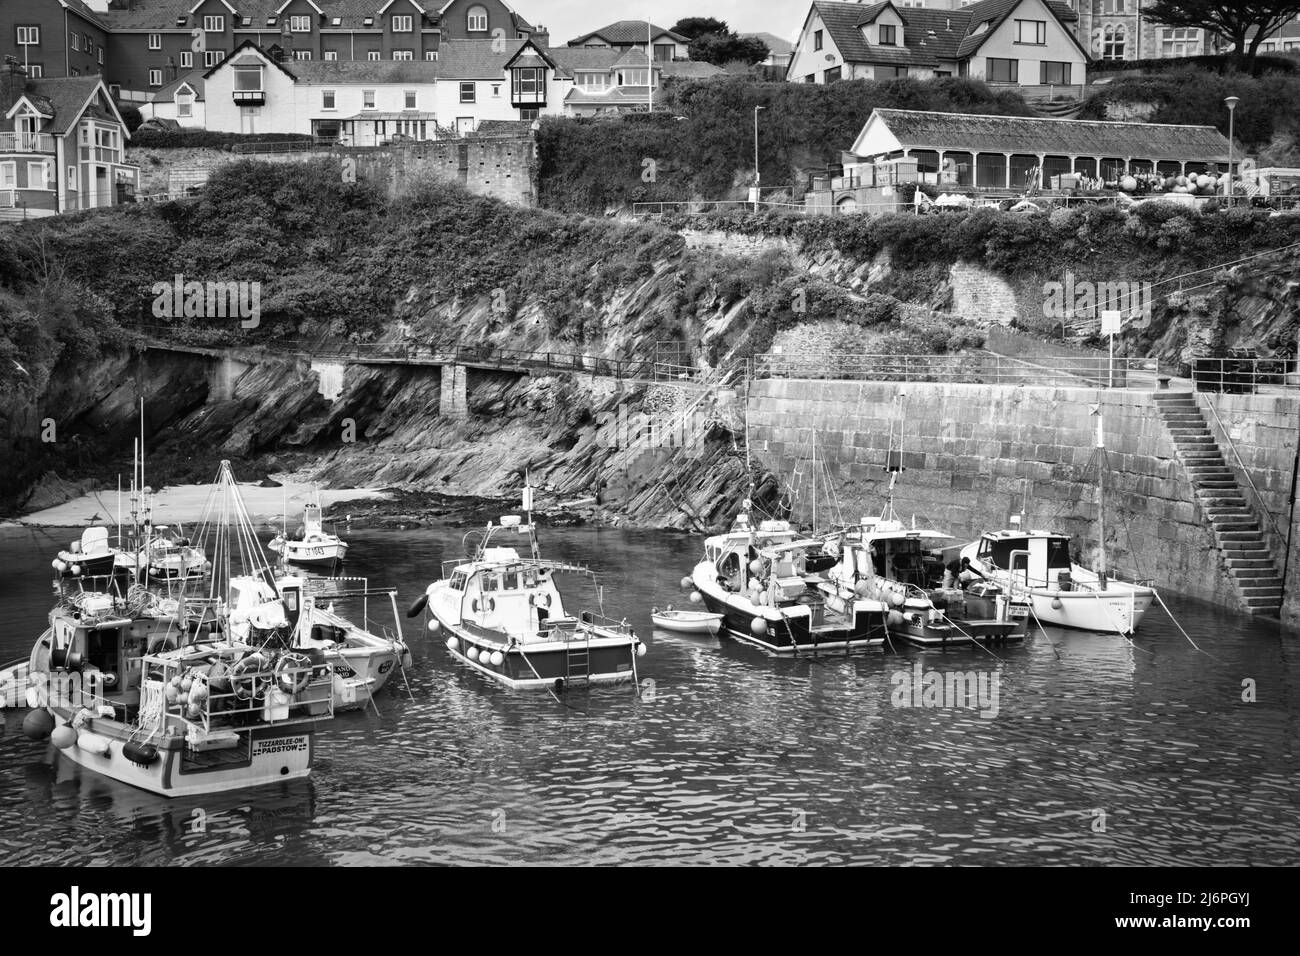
(402, 24)
(888, 34)
(248, 88)
(476, 20)
(300, 24)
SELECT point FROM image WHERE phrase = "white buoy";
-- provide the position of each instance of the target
(758, 626)
(696, 597)
(686, 582)
(640, 650)
(434, 626)
(472, 653)
(63, 737)
(76, 570)
(1056, 604)
(497, 658)
(452, 643)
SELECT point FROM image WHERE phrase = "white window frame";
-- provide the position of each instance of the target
(368, 95)
(1040, 32)
(403, 55)
(33, 35)
(215, 23)
(328, 100)
(75, 39)
(155, 78)
(300, 24)
(9, 175)
(373, 55)
(155, 41)
(101, 56)
(35, 70)
(476, 19)
(402, 23)
(41, 175)
(187, 60)
(71, 182)
(331, 55)
(184, 106)
(470, 87)
(302, 54)
(212, 57)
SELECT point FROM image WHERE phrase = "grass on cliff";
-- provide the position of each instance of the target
(700, 139)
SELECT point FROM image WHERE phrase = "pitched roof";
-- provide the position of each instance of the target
(627, 31)
(1020, 134)
(82, 10)
(191, 78)
(63, 97)
(930, 35)
(620, 96)
(475, 59)
(327, 72)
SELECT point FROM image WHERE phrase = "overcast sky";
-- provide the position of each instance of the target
(566, 19)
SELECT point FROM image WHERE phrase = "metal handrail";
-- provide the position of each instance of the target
(976, 367)
(1245, 374)
(1245, 471)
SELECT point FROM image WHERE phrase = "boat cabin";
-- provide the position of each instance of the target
(887, 549)
(505, 593)
(1041, 556)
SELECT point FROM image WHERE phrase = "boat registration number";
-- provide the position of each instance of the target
(280, 745)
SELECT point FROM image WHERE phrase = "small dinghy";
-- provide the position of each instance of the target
(686, 622)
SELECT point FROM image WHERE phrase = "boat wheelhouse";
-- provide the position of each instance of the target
(90, 555)
(1036, 567)
(507, 618)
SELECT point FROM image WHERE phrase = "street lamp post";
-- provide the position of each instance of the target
(757, 175)
(1232, 102)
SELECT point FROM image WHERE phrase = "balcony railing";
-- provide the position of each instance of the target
(249, 97)
(26, 143)
(528, 98)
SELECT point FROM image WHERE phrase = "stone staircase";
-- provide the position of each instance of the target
(1237, 530)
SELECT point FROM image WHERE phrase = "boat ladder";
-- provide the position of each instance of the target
(577, 658)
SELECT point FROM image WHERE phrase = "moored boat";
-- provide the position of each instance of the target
(686, 622)
(311, 545)
(506, 617)
(763, 580)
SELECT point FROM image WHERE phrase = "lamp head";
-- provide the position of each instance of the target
(1232, 102)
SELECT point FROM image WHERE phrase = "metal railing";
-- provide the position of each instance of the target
(26, 143)
(1243, 375)
(691, 207)
(975, 368)
(285, 146)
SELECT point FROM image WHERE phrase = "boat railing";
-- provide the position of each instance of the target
(219, 707)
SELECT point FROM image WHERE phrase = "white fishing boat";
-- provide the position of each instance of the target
(167, 554)
(506, 617)
(686, 622)
(1035, 567)
(310, 545)
(144, 693)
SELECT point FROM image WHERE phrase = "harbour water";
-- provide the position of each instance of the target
(1099, 752)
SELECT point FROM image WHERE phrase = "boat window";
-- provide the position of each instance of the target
(491, 582)
(290, 599)
(1058, 553)
(530, 577)
(999, 550)
(458, 581)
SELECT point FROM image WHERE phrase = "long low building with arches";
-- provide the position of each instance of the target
(1013, 153)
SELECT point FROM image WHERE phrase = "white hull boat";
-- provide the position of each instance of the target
(687, 622)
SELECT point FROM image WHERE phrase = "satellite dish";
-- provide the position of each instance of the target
(830, 56)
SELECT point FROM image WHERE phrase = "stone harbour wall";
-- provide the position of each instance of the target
(973, 453)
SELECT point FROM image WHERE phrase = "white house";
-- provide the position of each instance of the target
(181, 100)
(625, 34)
(1007, 42)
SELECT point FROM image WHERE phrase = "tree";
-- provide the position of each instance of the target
(720, 48)
(692, 27)
(1243, 23)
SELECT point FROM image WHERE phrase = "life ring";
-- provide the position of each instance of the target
(486, 604)
(293, 672)
(541, 599)
(248, 678)
(315, 539)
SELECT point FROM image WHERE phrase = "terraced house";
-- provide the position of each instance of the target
(1007, 42)
(62, 147)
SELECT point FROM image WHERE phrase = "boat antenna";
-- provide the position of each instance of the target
(528, 517)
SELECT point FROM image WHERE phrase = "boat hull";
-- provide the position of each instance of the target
(1117, 609)
(267, 755)
(360, 673)
(313, 555)
(698, 625)
(606, 659)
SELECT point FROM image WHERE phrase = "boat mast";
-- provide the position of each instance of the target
(528, 518)
(1101, 496)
